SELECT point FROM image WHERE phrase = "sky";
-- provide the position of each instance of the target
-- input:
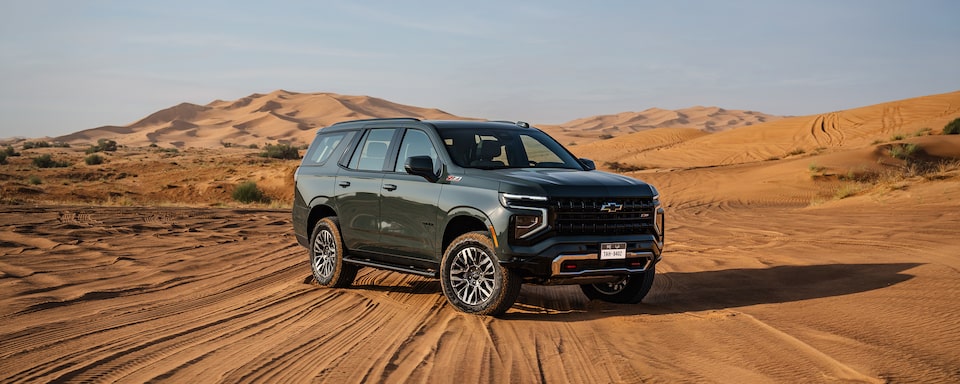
(66, 65)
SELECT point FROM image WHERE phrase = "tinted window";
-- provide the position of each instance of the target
(371, 154)
(506, 148)
(415, 143)
(324, 146)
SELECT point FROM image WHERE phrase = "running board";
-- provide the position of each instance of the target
(391, 267)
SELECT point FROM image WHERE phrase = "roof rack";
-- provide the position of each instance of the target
(379, 119)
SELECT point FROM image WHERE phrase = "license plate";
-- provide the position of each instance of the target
(611, 251)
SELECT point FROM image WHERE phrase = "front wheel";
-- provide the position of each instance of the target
(473, 279)
(326, 255)
(629, 290)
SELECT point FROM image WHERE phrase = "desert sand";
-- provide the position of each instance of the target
(794, 254)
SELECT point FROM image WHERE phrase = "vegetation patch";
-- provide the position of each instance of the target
(103, 145)
(280, 151)
(952, 128)
(93, 159)
(248, 192)
(45, 161)
(617, 166)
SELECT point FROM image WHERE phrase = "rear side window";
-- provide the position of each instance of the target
(325, 145)
(371, 154)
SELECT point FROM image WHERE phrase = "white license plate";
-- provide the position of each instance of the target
(611, 251)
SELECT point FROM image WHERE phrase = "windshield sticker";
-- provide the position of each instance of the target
(453, 178)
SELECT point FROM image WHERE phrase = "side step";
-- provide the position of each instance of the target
(396, 268)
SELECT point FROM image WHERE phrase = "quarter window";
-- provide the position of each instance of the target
(324, 146)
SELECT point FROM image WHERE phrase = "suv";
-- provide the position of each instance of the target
(482, 205)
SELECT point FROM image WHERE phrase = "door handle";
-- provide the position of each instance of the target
(390, 187)
(344, 184)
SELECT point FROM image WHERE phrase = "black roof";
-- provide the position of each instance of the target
(443, 124)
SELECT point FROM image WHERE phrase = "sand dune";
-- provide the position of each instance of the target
(844, 129)
(709, 119)
(279, 116)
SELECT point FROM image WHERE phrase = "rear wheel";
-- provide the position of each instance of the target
(629, 290)
(472, 278)
(326, 255)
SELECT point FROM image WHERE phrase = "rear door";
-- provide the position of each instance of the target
(358, 189)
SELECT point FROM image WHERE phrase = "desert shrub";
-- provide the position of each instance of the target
(904, 151)
(923, 132)
(226, 144)
(798, 151)
(45, 161)
(3, 158)
(952, 128)
(10, 152)
(280, 151)
(103, 145)
(253, 146)
(814, 168)
(897, 137)
(153, 145)
(848, 189)
(61, 144)
(606, 136)
(248, 192)
(34, 180)
(35, 144)
(93, 159)
(617, 166)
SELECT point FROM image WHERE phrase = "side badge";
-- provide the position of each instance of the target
(452, 178)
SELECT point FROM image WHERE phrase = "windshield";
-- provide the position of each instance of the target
(506, 148)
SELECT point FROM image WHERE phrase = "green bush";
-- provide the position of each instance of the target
(247, 192)
(45, 161)
(904, 151)
(10, 152)
(3, 158)
(952, 128)
(35, 144)
(34, 180)
(280, 151)
(103, 145)
(93, 159)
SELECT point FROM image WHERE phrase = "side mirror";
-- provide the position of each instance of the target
(421, 166)
(588, 164)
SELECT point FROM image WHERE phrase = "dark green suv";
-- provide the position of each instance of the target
(482, 205)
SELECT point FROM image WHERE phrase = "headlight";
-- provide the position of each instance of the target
(525, 225)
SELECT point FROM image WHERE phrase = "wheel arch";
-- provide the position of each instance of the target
(462, 221)
(318, 212)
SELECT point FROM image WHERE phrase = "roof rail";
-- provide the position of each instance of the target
(521, 124)
(379, 119)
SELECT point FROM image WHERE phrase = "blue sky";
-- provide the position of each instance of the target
(66, 66)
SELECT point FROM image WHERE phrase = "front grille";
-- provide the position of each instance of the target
(579, 216)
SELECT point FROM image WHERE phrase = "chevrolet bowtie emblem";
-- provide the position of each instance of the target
(611, 207)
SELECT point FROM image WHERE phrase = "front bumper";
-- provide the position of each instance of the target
(577, 260)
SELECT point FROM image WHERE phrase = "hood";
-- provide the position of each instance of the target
(566, 182)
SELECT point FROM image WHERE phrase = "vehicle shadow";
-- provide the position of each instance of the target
(679, 292)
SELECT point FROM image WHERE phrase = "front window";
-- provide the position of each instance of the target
(506, 148)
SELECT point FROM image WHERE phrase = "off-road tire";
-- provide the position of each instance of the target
(472, 278)
(326, 255)
(631, 290)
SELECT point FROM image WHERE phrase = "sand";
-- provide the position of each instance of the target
(838, 263)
